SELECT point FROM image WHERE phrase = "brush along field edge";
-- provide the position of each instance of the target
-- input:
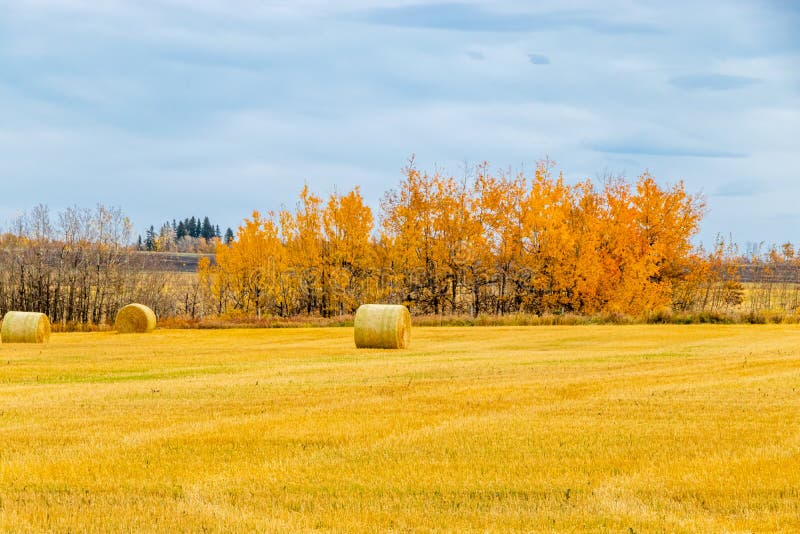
(382, 326)
(25, 327)
(135, 318)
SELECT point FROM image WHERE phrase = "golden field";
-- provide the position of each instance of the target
(579, 428)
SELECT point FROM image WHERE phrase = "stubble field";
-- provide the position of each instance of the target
(581, 428)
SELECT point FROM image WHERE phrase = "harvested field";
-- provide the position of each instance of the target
(587, 428)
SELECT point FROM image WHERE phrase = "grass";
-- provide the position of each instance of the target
(657, 428)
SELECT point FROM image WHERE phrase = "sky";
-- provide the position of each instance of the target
(174, 108)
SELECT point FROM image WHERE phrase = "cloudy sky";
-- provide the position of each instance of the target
(173, 108)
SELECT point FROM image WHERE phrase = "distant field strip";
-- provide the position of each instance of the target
(658, 428)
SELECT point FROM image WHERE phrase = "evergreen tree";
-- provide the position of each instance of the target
(207, 231)
(217, 234)
(228, 236)
(180, 231)
(150, 238)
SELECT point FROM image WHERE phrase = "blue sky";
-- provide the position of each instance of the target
(199, 107)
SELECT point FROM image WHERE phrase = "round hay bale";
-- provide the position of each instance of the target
(135, 319)
(382, 326)
(25, 327)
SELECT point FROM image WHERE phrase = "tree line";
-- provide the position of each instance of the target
(496, 243)
(188, 235)
(79, 267)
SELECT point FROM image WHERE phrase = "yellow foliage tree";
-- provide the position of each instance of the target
(349, 253)
(246, 277)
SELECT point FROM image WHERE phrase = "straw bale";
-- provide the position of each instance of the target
(25, 327)
(135, 318)
(382, 326)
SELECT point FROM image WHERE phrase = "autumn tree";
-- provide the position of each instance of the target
(648, 238)
(349, 253)
(301, 231)
(246, 276)
(501, 210)
(408, 232)
(430, 223)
